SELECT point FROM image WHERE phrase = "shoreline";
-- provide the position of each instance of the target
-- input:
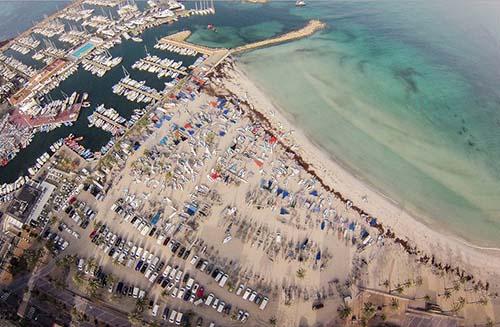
(408, 228)
(427, 221)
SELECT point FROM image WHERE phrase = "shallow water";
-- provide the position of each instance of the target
(405, 95)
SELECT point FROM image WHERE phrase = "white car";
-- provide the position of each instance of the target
(173, 314)
(193, 260)
(166, 271)
(178, 276)
(240, 289)
(247, 293)
(181, 293)
(209, 299)
(179, 318)
(252, 297)
(153, 277)
(221, 306)
(154, 312)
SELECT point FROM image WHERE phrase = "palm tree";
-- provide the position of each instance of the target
(273, 321)
(457, 306)
(301, 273)
(386, 283)
(408, 283)
(399, 289)
(368, 310)
(446, 294)
(344, 311)
(394, 304)
(419, 281)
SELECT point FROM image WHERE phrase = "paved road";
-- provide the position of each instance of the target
(100, 311)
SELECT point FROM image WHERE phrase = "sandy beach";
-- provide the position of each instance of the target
(482, 262)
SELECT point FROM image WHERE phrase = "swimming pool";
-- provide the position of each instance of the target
(83, 50)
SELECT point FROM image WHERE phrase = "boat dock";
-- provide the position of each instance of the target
(155, 96)
(108, 120)
(13, 68)
(312, 27)
(152, 63)
(177, 40)
(96, 64)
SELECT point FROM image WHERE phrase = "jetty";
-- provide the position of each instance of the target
(158, 65)
(179, 40)
(312, 27)
(156, 96)
(115, 124)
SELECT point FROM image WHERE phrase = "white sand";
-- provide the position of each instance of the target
(482, 262)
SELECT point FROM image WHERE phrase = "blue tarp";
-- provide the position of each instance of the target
(318, 255)
(191, 209)
(283, 211)
(222, 133)
(352, 226)
(155, 218)
(323, 224)
(164, 140)
(364, 234)
(314, 193)
(373, 222)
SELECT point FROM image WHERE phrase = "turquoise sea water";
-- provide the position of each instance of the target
(405, 94)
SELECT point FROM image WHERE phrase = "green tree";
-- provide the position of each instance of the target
(301, 273)
(399, 289)
(394, 304)
(368, 310)
(344, 311)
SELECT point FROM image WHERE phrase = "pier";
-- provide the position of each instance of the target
(152, 63)
(178, 39)
(109, 121)
(156, 96)
(312, 27)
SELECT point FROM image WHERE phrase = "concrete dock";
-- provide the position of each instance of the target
(312, 27)
(154, 96)
(152, 63)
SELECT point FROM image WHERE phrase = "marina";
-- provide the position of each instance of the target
(187, 185)
(107, 119)
(136, 91)
(162, 67)
(100, 64)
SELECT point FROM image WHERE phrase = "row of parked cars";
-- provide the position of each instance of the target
(58, 242)
(80, 212)
(252, 296)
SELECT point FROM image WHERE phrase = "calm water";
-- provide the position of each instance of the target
(404, 94)
(17, 16)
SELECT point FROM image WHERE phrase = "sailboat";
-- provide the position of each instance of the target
(300, 3)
